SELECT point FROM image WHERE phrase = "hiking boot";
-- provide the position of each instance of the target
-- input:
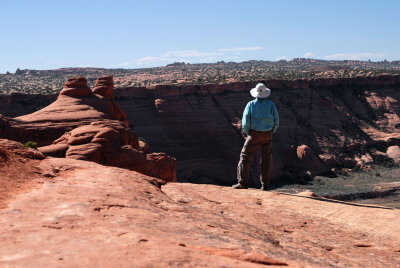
(239, 186)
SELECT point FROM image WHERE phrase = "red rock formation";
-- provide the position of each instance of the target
(111, 143)
(93, 128)
(75, 106)
(144, 146)
(18, 169)
(308, 160)
(75, 87)
(104, 86)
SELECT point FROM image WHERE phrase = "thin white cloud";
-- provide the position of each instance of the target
(239, 49)
(282, 58)
(308, 55)
(193, 55)
(355, 56)
(190, 54)
(147, 60)
(208, 59)
(124, 64)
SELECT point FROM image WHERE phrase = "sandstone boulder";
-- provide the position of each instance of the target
(394, 153)
(310, 161)
(18, 149)
(110, 142)
(144, 146)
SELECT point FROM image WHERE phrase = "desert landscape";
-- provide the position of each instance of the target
(151, 134)
(181, 73)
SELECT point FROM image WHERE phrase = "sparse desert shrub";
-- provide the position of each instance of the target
(31, 144)
(356, 168)
(378, 174)
(342, 172)
(389, 163)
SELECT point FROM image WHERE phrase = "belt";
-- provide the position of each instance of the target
(261, 131)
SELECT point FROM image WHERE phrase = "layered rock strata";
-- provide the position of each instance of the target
(111, 143)
(76, 105)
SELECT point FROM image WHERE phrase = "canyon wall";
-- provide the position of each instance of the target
(325, 124)
(342, 122)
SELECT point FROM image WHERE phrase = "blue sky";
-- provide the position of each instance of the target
(132, 34)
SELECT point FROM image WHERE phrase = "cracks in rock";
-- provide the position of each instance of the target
(121, 234)
(363, 246)
(225, 113)
(242, 256)
(108, 206)
(52, 227)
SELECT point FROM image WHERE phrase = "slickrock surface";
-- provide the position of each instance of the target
(84, 214)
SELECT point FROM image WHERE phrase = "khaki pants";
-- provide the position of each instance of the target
(255, 140)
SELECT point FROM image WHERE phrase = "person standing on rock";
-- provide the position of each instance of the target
(260, 120)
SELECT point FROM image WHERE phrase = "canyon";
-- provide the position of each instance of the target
(326, 124)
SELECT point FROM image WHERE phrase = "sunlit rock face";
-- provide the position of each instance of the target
(75, 106)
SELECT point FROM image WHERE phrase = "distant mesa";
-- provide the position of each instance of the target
(175, 64)
(19, 72)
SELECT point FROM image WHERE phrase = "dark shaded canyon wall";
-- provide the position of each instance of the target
(17, 104)
(200, 125)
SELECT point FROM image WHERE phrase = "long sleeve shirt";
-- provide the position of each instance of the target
(260, 115)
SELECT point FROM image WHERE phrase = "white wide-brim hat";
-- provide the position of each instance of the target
(260, 91)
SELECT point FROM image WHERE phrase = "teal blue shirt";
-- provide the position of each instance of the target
(260, 115)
